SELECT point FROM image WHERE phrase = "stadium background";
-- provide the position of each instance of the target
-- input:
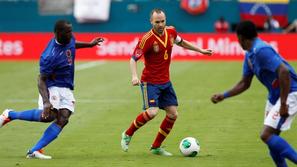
(106, 103)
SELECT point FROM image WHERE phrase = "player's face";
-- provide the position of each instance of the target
(65, 35)
(158, 21)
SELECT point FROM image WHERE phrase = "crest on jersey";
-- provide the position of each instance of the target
(69, 56)
(156, 47)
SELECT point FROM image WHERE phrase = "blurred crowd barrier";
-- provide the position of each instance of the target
(120, 46)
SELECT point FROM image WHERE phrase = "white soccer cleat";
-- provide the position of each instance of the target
(4, 119)
(160, 151)
(37, 155)
(125, 141)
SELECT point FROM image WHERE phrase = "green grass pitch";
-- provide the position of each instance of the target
(107, 103)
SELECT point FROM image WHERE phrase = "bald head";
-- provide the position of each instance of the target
(158, 20)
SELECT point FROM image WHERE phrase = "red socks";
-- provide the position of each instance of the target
(140, 120)
(164, 130)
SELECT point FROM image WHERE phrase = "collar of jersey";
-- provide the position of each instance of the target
(57, 42)
(164, 43)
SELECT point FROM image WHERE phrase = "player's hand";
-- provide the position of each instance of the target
(283, 111)
(97, 41)
(217, 98)
(135, 81)
(47, 108)
(208, 52)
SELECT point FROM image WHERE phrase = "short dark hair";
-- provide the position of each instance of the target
(247, 29)
(60, 25)
(157, 10)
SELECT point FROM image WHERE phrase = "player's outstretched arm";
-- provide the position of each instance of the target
(240, 87)
(188, 45)
(96, 41)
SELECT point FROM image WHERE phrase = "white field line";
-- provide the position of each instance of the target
(89, 65)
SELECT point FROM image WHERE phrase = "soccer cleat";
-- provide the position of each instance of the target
(37, 154)
(125, 141)
(4, 119)
(160, 151)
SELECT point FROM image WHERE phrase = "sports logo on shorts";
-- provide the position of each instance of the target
(54, 98)
(152, 101)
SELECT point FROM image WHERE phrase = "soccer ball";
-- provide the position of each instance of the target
(189, 147)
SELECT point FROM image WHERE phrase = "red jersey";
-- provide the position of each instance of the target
(157, 55)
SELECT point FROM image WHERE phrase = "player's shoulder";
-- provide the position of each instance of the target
(171, 28)
(147, 35)
(145, 38)
(50, 51)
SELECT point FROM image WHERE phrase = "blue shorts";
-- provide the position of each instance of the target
(158, 95)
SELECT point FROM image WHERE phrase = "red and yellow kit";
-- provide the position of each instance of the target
(157, 55)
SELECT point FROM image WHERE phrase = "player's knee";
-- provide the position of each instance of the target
(62, 122)
(52, 116)
(63, 117)
(48, 119)
(152, 112)
(267, 132)
(265, 135)
(172, 115)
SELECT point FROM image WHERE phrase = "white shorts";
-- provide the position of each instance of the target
(59, 98)
(272, 116)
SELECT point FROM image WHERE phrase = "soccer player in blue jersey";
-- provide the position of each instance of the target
(55, 84)
(280, 79)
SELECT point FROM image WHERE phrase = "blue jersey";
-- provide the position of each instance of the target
(263, 61)
(57, 62)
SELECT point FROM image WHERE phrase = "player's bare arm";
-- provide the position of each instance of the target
(188, 45)
(47, 106)
(133, 67)
(240, 87)
(285, 84)
(96, 41)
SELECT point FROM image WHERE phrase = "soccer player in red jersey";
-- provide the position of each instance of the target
(156, 47)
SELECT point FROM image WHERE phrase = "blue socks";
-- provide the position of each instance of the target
(28, 115)
(281, 149)
(278, 160)
(50, 134)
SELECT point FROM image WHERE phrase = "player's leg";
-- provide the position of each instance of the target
(274, 124)
(275, 155)
(66, 107)
(167, 101)
(140, 120)
(50, 134)
(165, 128)
(150, 94)
(277, 158)
(33, 114)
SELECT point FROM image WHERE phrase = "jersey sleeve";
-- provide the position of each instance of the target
(141, 48)
(247, 71)
(46, 66)
(268, 59)
(177, 38)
